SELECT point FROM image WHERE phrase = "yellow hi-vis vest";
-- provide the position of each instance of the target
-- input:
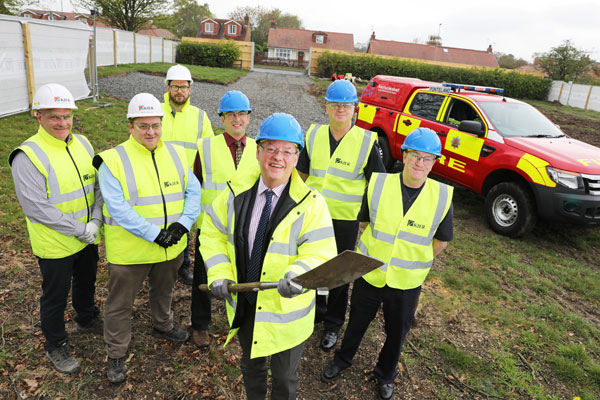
(340, 177)
(185, 128)
(303, 240)
(154, 185)
(402, 242)
(218, 167)
(70, 178)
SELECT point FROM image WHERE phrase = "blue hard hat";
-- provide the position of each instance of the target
(281, 126)
(341, 91)
(234, 100)
(425, 140)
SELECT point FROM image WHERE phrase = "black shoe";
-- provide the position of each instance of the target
(174, 335)
(385, 390)
(185, 274)
(329, 340)
(96, 325)
(330, 372)
(115, 370)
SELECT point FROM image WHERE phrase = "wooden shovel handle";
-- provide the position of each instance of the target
(244, 287)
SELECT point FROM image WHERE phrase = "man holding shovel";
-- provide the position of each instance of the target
(269, 227)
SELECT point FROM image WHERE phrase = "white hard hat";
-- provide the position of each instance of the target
(144, 105)
(53, 95)
(178, 73)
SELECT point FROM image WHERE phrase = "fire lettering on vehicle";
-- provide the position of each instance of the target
(453, 163)
(589, 161)
(383, 88)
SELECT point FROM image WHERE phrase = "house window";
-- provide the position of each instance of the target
(27, 16)
(232, 29)
(51, 17)
(320, 39)
(283, 53)
(209, 27)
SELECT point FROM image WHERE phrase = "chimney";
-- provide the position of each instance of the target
(373, 36)
(247, 20)
(489, 49)
(273, 24)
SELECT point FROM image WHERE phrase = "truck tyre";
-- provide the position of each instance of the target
(386, 152)
(510, 209)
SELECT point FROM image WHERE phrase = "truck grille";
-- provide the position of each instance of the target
(592, 184)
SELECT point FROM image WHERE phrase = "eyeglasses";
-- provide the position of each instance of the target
(233, 114)
(146, 127)
(416, 158)
(272, 151)
(56, 117)
(177, 88)
(341, 105)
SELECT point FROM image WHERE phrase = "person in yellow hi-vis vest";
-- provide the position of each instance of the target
(56, 185)
(338, 161)
(183, 124)
(407, 239)
(219, 158)
(270, 227)
(151, 200)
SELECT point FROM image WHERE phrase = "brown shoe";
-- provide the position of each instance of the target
(201, 338)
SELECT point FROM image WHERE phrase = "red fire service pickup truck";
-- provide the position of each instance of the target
(502, 148)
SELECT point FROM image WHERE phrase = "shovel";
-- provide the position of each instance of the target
(343, 268)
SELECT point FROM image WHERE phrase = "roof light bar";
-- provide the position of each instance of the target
(484, 89)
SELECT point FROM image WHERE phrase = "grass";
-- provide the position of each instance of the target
(282, 67)
(578, 112)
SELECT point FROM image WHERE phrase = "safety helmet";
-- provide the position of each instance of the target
(234, 100)
(178, 73)
(144, 105)
(425, 140)
(53, 95)
(281, 126)
(341, 91)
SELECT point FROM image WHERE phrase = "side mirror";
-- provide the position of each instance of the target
(474, 127)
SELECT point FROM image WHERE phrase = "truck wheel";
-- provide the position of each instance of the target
(386, 152)
(510, 209)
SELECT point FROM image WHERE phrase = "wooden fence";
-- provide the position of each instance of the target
(246, 60)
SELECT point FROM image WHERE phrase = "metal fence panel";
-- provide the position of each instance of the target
(105, 47)
(142, 42)
(124, 47)
(13, 76)
(157, 44)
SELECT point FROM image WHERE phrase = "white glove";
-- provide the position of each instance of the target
(288, 288)
(220, 288)
(90, 234)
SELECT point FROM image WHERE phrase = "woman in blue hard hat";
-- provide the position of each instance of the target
(407, 239)
(268, 227)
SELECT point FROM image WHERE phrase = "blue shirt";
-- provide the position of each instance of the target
(125, 215)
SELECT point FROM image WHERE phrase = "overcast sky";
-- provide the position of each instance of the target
(519, 27)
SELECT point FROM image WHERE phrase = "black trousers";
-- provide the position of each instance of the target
(57, 276)
(284, 365)
(200, 300)
(332, 309)
(398, 311)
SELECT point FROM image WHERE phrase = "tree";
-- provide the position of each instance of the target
(12, 7)
(261, 20)
(129, 15)
(564, 62)
(435, 40)
(509, 61)
(185, 19)
(361, 47)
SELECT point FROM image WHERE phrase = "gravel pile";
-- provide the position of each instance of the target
(268, 93)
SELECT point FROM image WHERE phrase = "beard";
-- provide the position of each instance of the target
(179, 103)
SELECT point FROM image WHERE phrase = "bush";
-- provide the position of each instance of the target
(222, 54)
(367, 66)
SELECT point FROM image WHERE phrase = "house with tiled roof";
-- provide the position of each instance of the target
(290, 45)
(217, 28)
(63, 16)
(158, 32)
(433, 52)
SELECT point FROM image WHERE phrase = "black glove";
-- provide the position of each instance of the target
(165, 239)
(177, 230)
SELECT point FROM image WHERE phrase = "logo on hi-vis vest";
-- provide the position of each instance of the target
(340, 161)
(415, 225)
(169, 184)
(87, 177)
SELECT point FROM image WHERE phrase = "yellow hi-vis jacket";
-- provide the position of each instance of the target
(340, 177)
(70, 178)
(402, 242)
(185, 128)
(218, 167)
(154, 185)
(301, 241)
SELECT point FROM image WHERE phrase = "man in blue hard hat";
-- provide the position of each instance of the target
(407, 239)
(338, 161)
(218, 160)
(269, 227)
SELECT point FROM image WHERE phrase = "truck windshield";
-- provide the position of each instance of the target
(519, 119)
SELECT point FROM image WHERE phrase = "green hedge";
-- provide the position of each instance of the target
(518, 85)
(222, 54)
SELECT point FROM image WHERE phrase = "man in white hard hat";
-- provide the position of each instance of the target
(56, 186)
(183, 124)
(151, 200)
